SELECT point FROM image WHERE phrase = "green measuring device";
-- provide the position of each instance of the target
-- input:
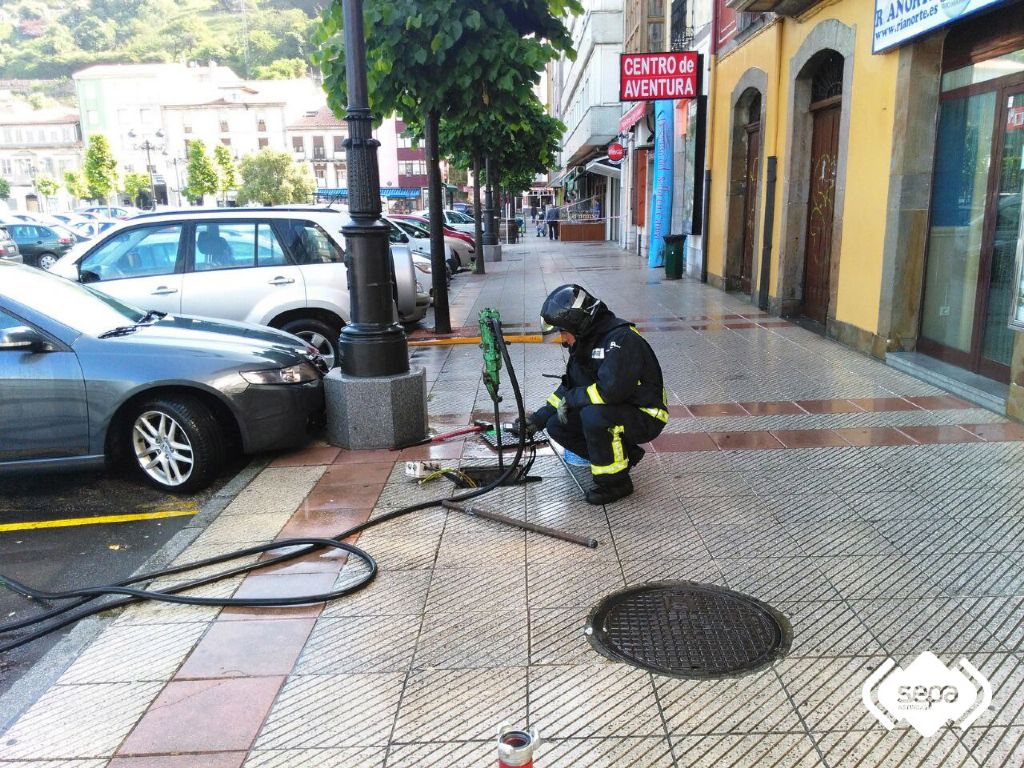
(492, 355)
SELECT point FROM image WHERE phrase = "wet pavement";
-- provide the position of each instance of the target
(880, 516)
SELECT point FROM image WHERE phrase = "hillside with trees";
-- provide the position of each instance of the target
(258, 39)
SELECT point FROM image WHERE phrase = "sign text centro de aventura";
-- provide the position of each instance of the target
(653, 76)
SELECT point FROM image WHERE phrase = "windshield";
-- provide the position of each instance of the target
(415, 229)
(72, 304)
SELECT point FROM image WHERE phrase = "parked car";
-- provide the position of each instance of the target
(453, 219)
(419, 242)
(463, 244)
(8, 248)
(40, 246)
(90, 228)
(109, 211)
(273, 266)
(466, 208)
(89, 380)
(68, 219)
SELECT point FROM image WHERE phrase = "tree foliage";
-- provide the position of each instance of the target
(270, 177)
(200, 174)
(100, 169)
(136, 185)
(45, 185)
(74, 183)
(5, 188)
(227, 172)
(281, 69)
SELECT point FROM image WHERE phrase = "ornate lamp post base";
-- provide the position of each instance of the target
(376, 412)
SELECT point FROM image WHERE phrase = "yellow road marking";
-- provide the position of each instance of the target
(73, 521)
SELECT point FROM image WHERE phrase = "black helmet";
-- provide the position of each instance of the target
(570, 308)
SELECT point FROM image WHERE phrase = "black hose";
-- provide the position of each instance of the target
(81, 597)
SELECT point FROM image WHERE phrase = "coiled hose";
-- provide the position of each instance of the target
(79, 608)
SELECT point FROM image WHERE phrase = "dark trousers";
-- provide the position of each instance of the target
(604, 435)
(552, 230)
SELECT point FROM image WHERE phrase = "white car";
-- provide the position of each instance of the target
(406, 234)
(272, 266)
(459, 252)
(460, 222)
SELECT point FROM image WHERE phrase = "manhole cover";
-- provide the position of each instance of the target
(685, 629)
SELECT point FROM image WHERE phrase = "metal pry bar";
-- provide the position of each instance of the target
(554, 533)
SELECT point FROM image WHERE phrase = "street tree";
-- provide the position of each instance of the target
(5, 188)
(270, 177)
(227, 172)
(75, 185)
(434, 59)
(201, 176)
(100, 169)
(46, 185)
(136, 185)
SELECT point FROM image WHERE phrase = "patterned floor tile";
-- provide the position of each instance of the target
(556, 637)
(753, 703)
(827, 691)
(940, 625)
(469, 639)
(461, 704)
(331, 711)
(551, 585)
(770, 750)
(649, 752)
(827, 628)
(592, 701)
(774, 579)
(345, 757)
(391, 593)
(878, 576)
(501, 587)
(892, 749)
(353, 644)
(113, 657)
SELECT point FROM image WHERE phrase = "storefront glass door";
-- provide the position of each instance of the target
(975, 227)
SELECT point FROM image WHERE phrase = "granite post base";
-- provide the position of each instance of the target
(376, 412)
(492, 253)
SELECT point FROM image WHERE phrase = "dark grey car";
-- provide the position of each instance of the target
(85, 378)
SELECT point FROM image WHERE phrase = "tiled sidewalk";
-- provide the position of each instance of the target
(882, 517)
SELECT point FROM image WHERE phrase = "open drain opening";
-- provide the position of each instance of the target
(689, 630)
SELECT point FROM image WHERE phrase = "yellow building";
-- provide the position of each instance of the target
(866, 176)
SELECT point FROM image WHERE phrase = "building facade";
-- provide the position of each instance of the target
(867, 179)
(35, 143)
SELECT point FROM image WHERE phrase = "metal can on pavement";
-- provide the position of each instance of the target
(515, 748)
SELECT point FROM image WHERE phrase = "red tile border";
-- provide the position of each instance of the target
(808, 438)
(678, 442)
(309, 456)
(876, 404)
(206, 760)
(358, 474)
(258, 648)
(203, 716)
(679, 412)
(323, 524)
(773, 408)
(718, 409)
(941, 434)
(451, 449)
(996, 433)
(870, 436)
(743, 441)
(365, 457)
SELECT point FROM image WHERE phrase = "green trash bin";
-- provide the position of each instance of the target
(674, 248)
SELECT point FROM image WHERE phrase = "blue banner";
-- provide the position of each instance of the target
(661, 188)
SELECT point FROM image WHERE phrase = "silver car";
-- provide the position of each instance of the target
(86, 379)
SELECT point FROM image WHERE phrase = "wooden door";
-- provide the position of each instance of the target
(820, 210)
(750, 207)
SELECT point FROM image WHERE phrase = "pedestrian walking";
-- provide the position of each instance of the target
(533, 213)
(612, 396)
(551, 219)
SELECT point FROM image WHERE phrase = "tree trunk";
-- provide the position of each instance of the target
(438, 267)
(478, 228)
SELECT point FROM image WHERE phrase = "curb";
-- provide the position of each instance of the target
(45, 672)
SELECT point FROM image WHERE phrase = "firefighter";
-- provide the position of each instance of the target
(612, 397)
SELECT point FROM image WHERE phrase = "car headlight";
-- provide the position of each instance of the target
(293, 374)
(422, 266)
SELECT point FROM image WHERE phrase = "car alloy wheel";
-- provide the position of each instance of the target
(46, 261)
(319, 335)
(162, 448)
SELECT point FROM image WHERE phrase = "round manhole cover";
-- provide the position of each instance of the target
(685, 629)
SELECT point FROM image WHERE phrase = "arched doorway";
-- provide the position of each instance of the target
(744, 200)
(32, 202)
(825, 109)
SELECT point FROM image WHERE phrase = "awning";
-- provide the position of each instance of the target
(388, 192)
(602, 166)
(565, 180)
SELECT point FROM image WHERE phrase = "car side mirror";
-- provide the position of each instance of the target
(23, 338)
(87, 275)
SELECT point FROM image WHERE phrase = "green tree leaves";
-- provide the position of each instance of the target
(270, 177)
(227, 173)
(100, 169)
(5, 188)
(135, 185)
(200, 174)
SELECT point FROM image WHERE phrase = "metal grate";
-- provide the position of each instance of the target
(689, 630)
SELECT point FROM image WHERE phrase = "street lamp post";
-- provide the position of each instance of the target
(491, 247)
(148, 146)
(373, 399)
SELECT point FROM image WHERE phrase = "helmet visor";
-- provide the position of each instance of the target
(547, 328)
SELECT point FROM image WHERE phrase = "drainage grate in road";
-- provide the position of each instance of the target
(689, 630)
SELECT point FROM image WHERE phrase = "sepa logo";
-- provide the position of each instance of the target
(927, 694)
